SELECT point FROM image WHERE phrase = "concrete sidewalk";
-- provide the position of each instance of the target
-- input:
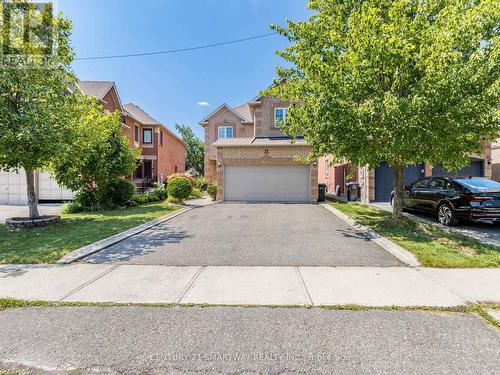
(227, 285)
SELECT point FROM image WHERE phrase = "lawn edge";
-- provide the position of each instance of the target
(100, 245)
(403, 255)
(480, 309)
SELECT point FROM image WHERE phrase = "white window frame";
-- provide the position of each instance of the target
(224, 132)
(276, 125)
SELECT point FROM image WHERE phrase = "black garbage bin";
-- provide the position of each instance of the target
(321, 192)
(352, 191)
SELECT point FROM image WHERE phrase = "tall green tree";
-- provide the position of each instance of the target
(35, 106)
(397, 81)
(194, 149)
(96, 151)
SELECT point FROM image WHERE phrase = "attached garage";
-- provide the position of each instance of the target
(474, 169)
(50, 190)
(267, 183)
(13, 188)
(384, 179)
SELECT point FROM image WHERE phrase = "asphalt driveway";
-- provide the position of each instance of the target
(249, 235)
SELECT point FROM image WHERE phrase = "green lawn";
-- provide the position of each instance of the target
(48, 244)
(432, 246)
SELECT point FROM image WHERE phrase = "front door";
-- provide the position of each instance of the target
(148, 169)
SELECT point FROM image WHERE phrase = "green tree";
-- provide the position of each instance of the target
(96, 151)
(194, 149)
(397, 81)
(35, 107)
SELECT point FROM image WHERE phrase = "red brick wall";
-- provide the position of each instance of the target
(171, 154)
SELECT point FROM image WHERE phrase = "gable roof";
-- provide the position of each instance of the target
(139, 114)
(223, 105)
(145, 118)
(99, 89)
(244, 111)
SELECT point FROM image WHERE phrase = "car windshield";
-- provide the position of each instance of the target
(479, 183)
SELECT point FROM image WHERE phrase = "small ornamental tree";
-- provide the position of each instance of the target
(35, 105)
(195, 155)
(97, 152)
(396, 81)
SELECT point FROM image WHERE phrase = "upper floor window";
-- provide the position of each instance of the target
(136, 133)
(161, 138)
(225, 132)
(279, 116)
(147, 135)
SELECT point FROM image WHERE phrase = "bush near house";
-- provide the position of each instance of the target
(196, 193)
(202, 183)
(212, 191)
(176, 175)
(179, 188)
(116, 193)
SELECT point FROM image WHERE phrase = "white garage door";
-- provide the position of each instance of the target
(13, 188)
(272, 183)
(49, 189)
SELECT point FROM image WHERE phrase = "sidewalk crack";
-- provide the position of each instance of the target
(88, 282)
(190, 283)
(304, 285)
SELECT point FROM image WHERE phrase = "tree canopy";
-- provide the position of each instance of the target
(35, 106)
(96, 151)
(194, 149)
(397, 81)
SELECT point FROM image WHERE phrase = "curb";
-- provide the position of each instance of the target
(106, 242)
(397, 251)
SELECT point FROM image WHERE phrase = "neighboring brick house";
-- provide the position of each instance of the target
(376, 184)
(250, 159)
(163, 153)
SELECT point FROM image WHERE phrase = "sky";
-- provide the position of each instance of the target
(183, 87)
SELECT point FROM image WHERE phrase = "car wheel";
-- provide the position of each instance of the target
(446, 215)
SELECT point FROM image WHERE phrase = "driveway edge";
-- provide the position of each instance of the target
(397, 251)
(95, 247)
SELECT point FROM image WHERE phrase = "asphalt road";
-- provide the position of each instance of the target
(250, 235)
(246, 340)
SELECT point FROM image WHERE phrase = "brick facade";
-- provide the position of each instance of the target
(258, 155)
(258, 122)
(366, 176)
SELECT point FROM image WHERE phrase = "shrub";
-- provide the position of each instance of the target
(196, 193)
(179, 188)
(72, 208)
(201, 183)
(159, 193)
(212, 191)
(182, 175)
(171, 199)
(141, 199)
(116, 193)
(87, 198)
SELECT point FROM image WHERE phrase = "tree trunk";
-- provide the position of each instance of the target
(32, 198)
(397, 203)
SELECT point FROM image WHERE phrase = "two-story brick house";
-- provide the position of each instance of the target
(250, 159)
(163, 153)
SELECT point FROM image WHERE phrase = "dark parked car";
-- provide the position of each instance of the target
(454, 199)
